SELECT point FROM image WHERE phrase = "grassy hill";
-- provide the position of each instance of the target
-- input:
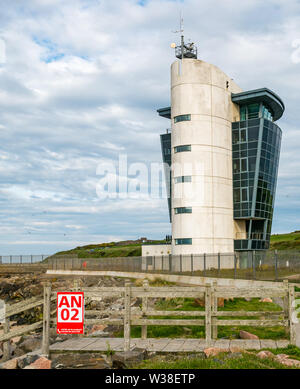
(289, 241)
(112, 249)
(132, 248)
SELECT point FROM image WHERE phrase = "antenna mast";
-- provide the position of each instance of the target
(184, 51)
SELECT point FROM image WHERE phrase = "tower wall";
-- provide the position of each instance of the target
(203, 91)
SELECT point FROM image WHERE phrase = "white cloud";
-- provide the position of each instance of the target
(80, 84)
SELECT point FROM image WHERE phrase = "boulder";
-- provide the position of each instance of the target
(121, 359)
(266, 300)
(213, 351)
(96, 328)
(40, 363)
(11, 364)
(265, 354)
(27, 360)
(290, 362)
(30, 344)
(248, 335)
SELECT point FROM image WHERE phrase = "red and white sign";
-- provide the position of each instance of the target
(70, 312)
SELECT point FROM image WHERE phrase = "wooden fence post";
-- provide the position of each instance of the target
(286, 305)
(46, 319)
(6, 345)
(208, 313)
(144, 308)
(214, 311)
(291, 314)
(127, 299)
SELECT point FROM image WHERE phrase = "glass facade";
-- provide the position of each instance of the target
(182, 118)
(255, 151)
(165, 141)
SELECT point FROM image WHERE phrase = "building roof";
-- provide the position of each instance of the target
(264, 95)
(165, 112)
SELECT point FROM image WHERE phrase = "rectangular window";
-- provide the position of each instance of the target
(236, 166)
(179, 149)
(243, 112)
(244, 193)
(236, 195)
(181, 179)
(182, 118)
(243, 136)
(244, 165)
(184, 241)
(183, 210)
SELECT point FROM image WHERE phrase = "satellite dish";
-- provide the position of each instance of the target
(173, 45)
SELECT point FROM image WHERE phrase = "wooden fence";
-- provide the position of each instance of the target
(142, 316)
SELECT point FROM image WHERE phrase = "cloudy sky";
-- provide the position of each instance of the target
(80, 82)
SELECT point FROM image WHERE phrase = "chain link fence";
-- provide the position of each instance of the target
(257, 265)
(22, 259)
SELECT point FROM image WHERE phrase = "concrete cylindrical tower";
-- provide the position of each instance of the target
(202, 201)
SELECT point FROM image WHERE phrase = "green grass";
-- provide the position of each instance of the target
(289, 241)
(228, 332)
(221, 361)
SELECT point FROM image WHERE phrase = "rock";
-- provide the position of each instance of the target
(17, 339)
(266, 300)
(27, 360)
(213, 351)
(121, 359)
(247, 335)
(282, 356)
(40, 363)
(234, 355)
(11, 364)
(265, 354)
(31, 344)
(290, 362)
(96, 328)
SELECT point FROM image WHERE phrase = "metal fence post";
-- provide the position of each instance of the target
(127, 316)
(30, 258)
(219, 264)
(21, 259)
(235, 265)
(144, 309)
(46, 319)
(170, 263)
(10, 259)
(276, 265)
(180, 259)
(192, 263)
(204, 264)
(208, 314)
(253, 264)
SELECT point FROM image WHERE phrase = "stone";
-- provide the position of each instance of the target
(213, 351)
(290, 362)
(247, 335)
(40, 363)
(30, 344)
(266, 300)
(282, 356)
(121, 359)
(96, 328)
(11, 364)
(265, 354)
(26, 360)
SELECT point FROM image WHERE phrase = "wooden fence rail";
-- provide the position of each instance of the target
(145, 315)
